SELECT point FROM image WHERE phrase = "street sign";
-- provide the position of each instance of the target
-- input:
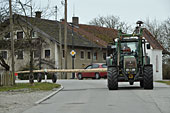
(73, 53)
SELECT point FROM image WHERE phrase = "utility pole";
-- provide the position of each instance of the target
(61, 52)
(12, 42)
(31, 77)
(65, 38)
(73, 74)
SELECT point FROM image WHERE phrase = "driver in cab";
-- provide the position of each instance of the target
(126, 48)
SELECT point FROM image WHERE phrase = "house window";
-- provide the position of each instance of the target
(104, 56)
(148, 46)
(157, 64)
(47, 53)
(63, 53)
(4, 54)
(34, 34)
(20, 35)
(36, 53)
(95, 56)
(88, 55)
(82, 54)
(20, 54)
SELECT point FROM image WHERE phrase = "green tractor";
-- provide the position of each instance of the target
(127, 60)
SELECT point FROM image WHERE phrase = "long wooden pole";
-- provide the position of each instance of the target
(66, 70)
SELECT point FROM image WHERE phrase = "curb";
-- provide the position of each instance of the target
(49, 96)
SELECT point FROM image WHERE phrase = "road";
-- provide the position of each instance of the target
(92, 96)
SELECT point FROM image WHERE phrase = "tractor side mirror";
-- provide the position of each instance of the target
(148, 46)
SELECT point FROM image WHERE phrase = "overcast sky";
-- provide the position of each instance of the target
(128, 10)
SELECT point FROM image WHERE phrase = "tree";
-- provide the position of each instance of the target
(161, 31)
(4, 64)
(25, 8)
(111, 21)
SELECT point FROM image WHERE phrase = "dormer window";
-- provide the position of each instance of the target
(20, 35)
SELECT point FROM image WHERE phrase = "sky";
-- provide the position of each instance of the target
(129, 11)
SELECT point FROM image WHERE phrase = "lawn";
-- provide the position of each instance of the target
(37, 86)
(166, 82)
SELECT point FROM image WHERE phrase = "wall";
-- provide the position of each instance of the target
(156, 60)
(82, 63)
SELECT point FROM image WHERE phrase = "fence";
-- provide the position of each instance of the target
(6, 78)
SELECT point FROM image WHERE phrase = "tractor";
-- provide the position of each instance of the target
(127, 60)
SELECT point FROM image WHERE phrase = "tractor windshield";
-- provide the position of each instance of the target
(129, 47)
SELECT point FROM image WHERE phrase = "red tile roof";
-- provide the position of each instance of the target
(100, 35)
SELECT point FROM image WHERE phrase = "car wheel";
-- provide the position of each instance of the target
(39, 77)
(80, 76)
(54, 78)
(97, 76)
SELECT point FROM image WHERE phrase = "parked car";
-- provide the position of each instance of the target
(96, 75)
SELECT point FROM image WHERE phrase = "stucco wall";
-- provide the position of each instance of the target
(156, 60)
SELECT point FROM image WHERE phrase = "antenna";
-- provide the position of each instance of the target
(73, 10)
(56, 8)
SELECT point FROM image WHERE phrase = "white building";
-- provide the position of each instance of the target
(155, 53)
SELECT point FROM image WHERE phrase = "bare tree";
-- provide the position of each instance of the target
(161, 31)
(26, 8)
(3, 63)
(111, 21)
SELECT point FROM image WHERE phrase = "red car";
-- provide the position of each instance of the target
(96, 75)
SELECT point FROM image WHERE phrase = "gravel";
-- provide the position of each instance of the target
(19, 100)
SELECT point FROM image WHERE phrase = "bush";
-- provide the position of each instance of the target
(166, 71)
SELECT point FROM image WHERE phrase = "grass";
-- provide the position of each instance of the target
(166, 82)
(37, 86)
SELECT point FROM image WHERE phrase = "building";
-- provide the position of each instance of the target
(46, 44)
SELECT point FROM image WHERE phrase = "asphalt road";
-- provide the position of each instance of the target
(92, 96)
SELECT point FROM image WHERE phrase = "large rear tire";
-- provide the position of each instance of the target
(148, 77)
(112, 78)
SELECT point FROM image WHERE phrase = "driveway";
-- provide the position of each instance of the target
(92, 96)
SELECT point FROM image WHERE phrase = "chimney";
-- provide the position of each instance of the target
(75, 20)
(38, 14)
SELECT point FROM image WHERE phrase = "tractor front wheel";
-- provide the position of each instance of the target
(148, 77)
(112, 78)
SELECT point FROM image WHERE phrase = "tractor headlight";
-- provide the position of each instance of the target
(127, 70)
(133, 69)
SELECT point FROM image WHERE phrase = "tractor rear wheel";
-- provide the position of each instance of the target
(148, 77)
(112, 78)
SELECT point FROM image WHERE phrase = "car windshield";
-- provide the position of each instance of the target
(131, 46)
(95, 65)
(88, 67)
(104, 66)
